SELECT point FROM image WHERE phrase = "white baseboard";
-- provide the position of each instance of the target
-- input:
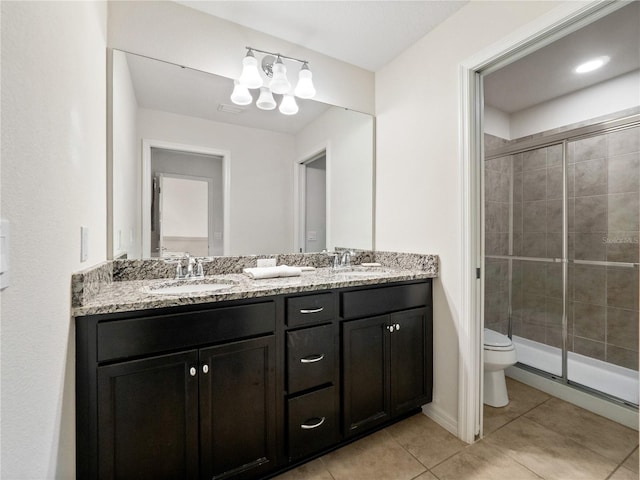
(441, 418)
(618, 413)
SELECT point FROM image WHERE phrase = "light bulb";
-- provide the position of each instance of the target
(279, 82)
(592, 64)
(240, 94)
(265, 101)
(250, 77)
(305, 88)
(288, 106)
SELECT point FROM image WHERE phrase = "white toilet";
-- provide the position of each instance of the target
(499, 353)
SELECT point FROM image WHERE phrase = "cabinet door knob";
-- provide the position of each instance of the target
(312, 310)
(193, 371)
(390, 328)
(205, 368)
(397, 326)
(306, 426)
(312, 358)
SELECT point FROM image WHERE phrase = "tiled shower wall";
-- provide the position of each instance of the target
(603, 212)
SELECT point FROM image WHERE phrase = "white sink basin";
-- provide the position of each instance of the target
(190, 288)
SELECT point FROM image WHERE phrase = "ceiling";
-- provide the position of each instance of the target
(367, 34)
(548, 72)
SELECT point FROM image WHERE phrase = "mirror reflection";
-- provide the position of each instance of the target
(192, 172)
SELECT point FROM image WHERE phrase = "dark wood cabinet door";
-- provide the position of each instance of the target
(238, 409)
(366, 373)
(148, 418)
(411, 369)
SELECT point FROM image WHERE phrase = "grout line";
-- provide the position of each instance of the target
(405, 449)
(326, 468)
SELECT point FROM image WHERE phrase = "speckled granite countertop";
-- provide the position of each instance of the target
(131, 295)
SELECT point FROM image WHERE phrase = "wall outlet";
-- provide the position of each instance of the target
(266, 262)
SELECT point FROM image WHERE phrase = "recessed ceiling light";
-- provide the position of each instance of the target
(592, 65)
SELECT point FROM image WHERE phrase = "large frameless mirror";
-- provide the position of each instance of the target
(256, 174)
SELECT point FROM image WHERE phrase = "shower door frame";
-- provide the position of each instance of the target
(562, 138)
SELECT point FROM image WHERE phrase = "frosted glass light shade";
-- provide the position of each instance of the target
(288, 106)
(240, 94)
(279, 82)
(250, 77)
(265, 101)
(305, 88)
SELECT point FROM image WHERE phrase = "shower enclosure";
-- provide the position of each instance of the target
(561, 254)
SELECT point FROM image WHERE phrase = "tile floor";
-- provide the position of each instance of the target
(534, 437)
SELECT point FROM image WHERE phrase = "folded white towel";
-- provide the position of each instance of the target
(258, 273)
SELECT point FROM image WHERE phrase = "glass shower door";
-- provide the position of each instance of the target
(537, 210)
(603, 223)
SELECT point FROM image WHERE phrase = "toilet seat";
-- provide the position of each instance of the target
(496, 341)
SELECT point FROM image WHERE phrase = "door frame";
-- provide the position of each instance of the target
(145, 198)
(546, 29)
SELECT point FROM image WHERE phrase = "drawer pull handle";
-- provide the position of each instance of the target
(306, 426)
(313, 310)
(312, 358)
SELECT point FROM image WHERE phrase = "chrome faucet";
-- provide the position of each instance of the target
(189, 265)
(335, 262)
(345, 261)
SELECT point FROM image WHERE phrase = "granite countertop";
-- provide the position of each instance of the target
(131, 295)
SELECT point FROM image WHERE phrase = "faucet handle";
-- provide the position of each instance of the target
(199, 270)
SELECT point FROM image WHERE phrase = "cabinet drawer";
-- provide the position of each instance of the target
(310, 357)
(313, 422)
(380, 300)
(310, 309)
(143, 336)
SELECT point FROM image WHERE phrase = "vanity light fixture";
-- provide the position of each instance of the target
(274, 68)
(593, 64)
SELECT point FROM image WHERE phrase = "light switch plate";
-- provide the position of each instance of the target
(84, 244)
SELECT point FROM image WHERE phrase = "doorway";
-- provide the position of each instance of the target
(182, 209)
(314, 199)
(554, 26)
(184, 200)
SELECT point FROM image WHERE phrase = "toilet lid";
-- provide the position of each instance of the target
(495, 339)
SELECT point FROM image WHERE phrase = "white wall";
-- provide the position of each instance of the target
(53, 181)
(178, 34)
(261, 175)
(418, 176)
(608, 97)
(187, 214)
(349, 137)
(497, 122)
(126, 161)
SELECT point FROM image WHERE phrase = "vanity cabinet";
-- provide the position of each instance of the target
(245, 389)
(386, 359)
(312, 364)
(208, 411)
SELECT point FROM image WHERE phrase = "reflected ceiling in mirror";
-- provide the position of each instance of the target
(163, 106)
